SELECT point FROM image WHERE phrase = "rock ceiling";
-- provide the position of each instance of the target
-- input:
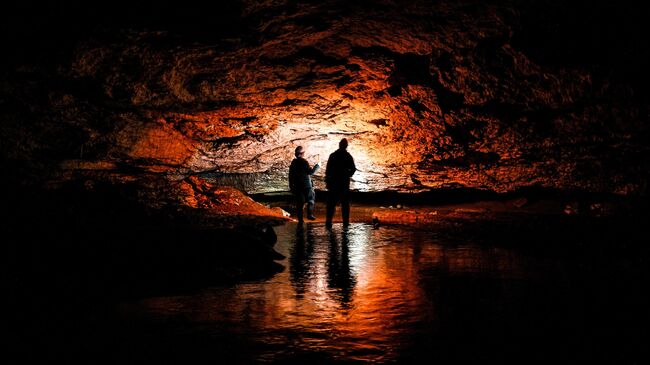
(429, 96)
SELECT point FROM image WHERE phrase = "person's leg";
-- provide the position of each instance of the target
(331, 206)
(311, 202)
(300, 202)
(345, 206)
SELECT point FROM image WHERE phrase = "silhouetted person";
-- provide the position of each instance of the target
(340, 168)
(301, 185)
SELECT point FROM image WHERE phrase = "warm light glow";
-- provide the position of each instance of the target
(381, 159)
(323, 148)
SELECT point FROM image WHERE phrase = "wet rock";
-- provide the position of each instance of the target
(375, 221)
(268, 235)
(471, 210)
(422, 216)
(596, 208)
(571, 208)
(282, 211)
(520, 203)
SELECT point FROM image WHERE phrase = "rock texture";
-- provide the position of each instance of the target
(430, 94)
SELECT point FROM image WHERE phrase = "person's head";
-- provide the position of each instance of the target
(299, 151)
(343, 144)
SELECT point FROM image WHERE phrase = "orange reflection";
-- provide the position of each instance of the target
(344, 290)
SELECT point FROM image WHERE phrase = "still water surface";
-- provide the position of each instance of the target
(390, 295)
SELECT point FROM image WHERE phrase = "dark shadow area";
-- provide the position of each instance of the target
(72, 253)
(37, 30)
(603, 35)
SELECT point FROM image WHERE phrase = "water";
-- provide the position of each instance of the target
(398, 295)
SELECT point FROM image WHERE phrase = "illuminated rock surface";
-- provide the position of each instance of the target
(429, 95)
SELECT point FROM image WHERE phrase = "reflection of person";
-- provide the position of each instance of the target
(339, 273)
(340, 168)
(300, 259)
(301, 185)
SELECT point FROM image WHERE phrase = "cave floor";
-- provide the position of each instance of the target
(397, 213)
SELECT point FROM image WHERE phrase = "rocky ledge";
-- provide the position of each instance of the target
(106, 238)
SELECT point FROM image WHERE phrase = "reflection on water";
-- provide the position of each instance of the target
(334, 281)
(383, 295)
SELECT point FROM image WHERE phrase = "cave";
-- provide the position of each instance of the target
(499, 196)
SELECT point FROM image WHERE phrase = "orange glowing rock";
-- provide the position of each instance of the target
(219, 200)
(158, 142)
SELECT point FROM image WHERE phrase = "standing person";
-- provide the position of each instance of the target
(340, 168)
(301, 185)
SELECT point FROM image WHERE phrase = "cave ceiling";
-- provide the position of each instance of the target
(429, 94)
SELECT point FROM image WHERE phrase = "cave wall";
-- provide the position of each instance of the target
(431, 94)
